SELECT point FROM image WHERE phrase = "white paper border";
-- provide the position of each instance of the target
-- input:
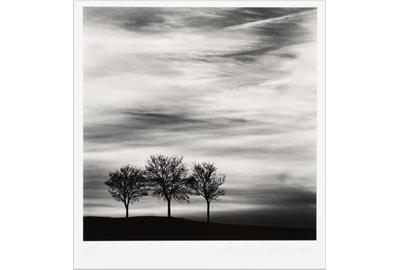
(197, 254)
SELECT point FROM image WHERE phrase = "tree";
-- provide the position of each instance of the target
(126, 185)
(166, 177)
(206, 182)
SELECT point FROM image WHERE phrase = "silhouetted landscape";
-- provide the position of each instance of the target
(164, 228)
(198, 120)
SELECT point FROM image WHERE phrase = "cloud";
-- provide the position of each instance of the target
(235, 86)
(145, 18)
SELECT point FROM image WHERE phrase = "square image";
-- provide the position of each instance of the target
(199, 122)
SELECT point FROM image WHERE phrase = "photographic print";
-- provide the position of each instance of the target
(199, 123)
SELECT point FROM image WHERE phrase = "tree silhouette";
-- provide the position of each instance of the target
(206, 182)
(126, 185)
(166, 177)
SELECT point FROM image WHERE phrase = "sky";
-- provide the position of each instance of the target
(232, 86)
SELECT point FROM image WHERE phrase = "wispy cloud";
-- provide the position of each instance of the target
(235, 86)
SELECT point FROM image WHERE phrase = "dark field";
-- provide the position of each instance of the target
(163, 228)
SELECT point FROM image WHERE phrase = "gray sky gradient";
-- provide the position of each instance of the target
(234, 86)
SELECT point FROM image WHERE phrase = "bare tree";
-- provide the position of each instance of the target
(166, 177)
(206, 182)
(126, 185)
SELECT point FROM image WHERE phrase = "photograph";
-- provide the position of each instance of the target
(199, 123)
(200, 135)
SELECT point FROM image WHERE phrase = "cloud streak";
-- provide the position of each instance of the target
(235, 86)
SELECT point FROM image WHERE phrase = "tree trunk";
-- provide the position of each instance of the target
(126, 211)
(169, 207)
(208, 212)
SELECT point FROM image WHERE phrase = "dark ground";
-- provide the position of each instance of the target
(163, 228)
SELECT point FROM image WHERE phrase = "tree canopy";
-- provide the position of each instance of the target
(126, 185)
(205, 182)
(167, 178)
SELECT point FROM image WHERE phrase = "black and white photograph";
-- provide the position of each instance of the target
(199, 123)
(200, 134)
